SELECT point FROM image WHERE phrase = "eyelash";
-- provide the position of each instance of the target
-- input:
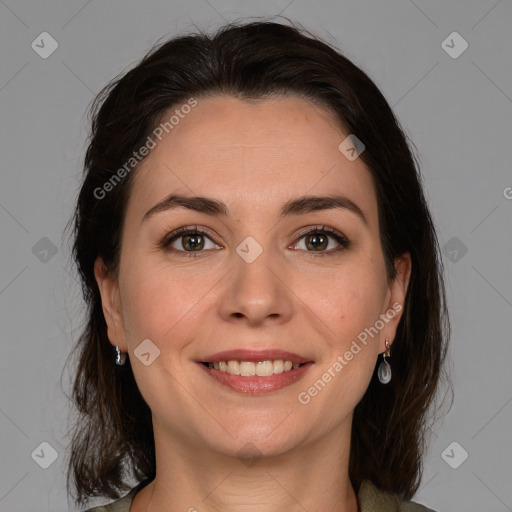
(193, 230)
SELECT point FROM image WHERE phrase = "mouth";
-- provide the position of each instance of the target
(250, 369)
(253, 372)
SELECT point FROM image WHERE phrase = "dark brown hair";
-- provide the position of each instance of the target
(113, 435)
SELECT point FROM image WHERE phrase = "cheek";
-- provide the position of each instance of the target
(158, 302)
(349, 306)
(165, 306)
(348, 300)
(168, 304)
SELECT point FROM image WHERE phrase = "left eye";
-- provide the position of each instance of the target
(319, 240)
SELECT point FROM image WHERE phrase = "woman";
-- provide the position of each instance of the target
(266, 309)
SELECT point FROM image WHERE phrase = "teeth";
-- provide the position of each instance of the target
(278, 366)
(233, 367)
(264, 368)
(250, 369)
(247, 368)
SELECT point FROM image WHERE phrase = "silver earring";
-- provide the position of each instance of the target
(120, 357)
(384, 371)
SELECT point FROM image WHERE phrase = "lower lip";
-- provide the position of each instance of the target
(257, 385)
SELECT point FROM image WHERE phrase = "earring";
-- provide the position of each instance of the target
(384, 371)
(120, 357)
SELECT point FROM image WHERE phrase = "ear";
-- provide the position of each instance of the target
(395, 305)
(111, 305)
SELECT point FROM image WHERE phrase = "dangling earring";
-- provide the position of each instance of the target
(384, 371)
(120, 357)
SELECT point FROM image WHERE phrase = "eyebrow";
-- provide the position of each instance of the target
(301, 205)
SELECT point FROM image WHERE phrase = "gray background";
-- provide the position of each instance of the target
(456, 110)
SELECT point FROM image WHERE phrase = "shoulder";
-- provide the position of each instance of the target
(372, 499)
(121, 505)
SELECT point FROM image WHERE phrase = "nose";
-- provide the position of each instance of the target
(256, 293)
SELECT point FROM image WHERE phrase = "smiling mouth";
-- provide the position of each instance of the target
(253, 369)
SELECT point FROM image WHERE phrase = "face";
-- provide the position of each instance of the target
(264, 273)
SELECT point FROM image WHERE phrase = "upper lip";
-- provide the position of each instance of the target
(255, 356)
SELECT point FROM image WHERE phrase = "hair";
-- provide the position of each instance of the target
(254, 61)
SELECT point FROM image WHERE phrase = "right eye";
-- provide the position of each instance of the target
(188, 240)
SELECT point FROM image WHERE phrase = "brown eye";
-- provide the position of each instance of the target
(193, 242)
(317, 241)
(187, 240)
(320, 240)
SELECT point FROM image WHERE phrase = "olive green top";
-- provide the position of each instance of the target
(369, 498)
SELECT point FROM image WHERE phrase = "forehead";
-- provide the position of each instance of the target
(256, 154)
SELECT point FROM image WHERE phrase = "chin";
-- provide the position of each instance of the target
(255, 442)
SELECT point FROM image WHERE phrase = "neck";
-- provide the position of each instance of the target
(196, 479)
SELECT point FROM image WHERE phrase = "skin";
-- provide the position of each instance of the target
(254, 157)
